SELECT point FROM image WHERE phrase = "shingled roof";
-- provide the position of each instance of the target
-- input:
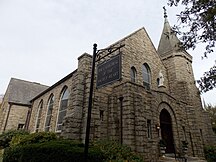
(21, 91)
(169, 42)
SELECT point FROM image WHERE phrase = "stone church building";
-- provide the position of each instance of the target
(141, 95)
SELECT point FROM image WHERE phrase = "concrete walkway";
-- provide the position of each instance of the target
(189, 159)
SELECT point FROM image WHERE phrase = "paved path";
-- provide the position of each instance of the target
(189, 159)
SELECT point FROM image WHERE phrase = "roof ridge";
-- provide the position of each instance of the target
(122, 39)
(32, 82)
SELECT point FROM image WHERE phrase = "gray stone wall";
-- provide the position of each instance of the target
(17, 116)
(4, 110)
(121, 110)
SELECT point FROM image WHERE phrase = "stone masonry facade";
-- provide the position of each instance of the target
(130, 110)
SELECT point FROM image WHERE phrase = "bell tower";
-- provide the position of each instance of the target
(178, 63)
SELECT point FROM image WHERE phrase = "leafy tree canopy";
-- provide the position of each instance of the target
(208, 81)
(197, 23)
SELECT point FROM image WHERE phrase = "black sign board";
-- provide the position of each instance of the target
(109, 71)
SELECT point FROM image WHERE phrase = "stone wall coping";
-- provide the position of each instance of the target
(54, 85)
(20, 104)
(83, 55)
(171, 54)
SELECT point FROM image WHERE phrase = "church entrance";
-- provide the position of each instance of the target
(166, 130)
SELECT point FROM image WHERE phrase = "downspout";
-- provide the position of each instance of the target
(121, 119)
(10, 105)
(28, 118)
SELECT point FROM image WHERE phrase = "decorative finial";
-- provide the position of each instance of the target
(165, 13)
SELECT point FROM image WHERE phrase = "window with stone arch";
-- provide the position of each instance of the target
(62, 108)
(49, 113)
(146, 76)
(133, 74)
(38, 116)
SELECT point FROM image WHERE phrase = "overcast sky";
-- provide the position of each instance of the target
(40, 40)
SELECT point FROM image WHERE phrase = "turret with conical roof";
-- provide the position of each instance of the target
(178, 64)
(169, 42)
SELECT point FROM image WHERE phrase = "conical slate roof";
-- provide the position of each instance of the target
(169, 41)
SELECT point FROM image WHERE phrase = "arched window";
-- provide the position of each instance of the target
(133, 74)
(38, 117)
(146, 76)
(63, 108)
(49, 113)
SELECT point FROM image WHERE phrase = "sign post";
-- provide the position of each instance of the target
(90, 102)
(106, 67)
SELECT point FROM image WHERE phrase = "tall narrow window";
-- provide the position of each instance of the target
(101, 115)
(201, 133)
(146, 76)
(63, 108)
(38, 117)
(184, 132)
(133, 74)
(149, 131)
(49, 113)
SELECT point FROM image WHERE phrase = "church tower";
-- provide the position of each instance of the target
(179, 65)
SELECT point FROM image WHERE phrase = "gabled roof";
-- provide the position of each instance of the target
(53, 86)
(21, 91)
(169, 42)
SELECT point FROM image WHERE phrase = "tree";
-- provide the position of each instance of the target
(212, 112)
(199, 20)
(208, 81)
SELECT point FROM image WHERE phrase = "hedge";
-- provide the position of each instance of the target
(46, 147)
(6, 137)
(115, 152)
(51, 151)
(210, 153)
(38, 137)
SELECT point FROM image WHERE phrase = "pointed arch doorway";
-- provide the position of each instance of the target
(166, 130)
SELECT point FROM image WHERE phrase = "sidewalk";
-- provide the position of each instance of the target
(189, 159)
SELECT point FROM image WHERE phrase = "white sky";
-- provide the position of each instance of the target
(40, 40)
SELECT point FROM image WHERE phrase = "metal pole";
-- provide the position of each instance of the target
(90, 103)
(121, 119)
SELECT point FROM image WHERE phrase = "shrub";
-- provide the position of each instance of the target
(6, 137)
(51, 151)
(210, 153)
(46, 147)
(114, 152)
(39, 137)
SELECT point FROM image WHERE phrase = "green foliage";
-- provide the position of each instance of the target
(46, 147)
(162, 143)
(39, 137)
(210, 153)
(184, 144)
(212, 113)
(199, 18)
(6, 137)
(208, 81)
(51, 151)
(114, 152)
